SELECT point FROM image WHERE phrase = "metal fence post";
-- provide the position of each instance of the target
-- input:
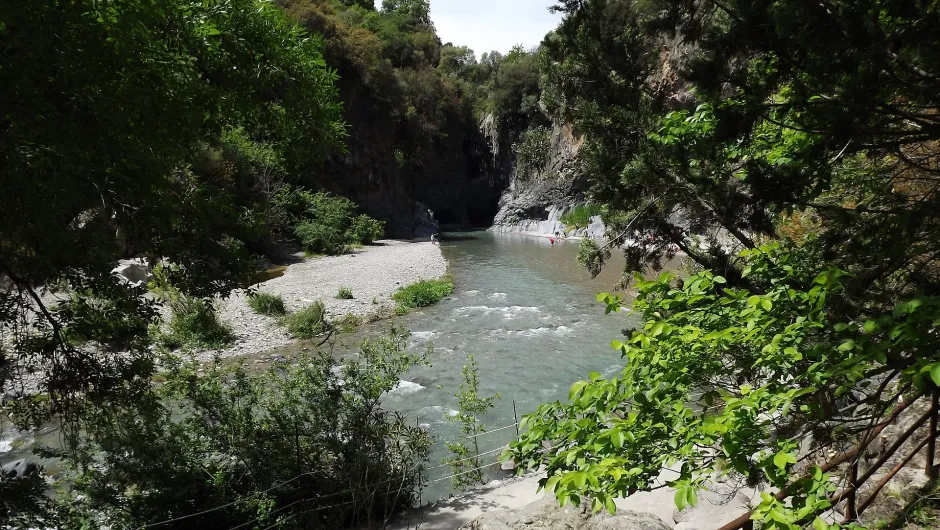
(932, 435)
(515, 417)
(851, 512)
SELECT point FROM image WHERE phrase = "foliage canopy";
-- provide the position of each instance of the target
(797, 168)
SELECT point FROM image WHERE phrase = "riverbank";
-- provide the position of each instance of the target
(552, 225)
(719, 504)
(372, 273)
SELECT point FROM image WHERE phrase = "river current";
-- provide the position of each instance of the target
(527, 312)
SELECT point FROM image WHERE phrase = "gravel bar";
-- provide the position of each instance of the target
(372, 273)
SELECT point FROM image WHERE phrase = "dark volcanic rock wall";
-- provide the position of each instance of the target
(413, 144)
(559, 184)
(454, 180)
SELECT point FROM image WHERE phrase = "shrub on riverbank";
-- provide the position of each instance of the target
(304, 443)
(349, 322)
(366, 230)
(268, 304)
(422, 293)
(309, 322)
(318, 238)
(324, 223)
(194, 323)
(344, 293)
(581, 215)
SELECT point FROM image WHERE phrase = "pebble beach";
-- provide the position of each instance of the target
(372, 273)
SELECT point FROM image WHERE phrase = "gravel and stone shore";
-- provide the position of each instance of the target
(372, 273)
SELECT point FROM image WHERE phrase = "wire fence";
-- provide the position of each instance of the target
(475, 457)
(368, 487)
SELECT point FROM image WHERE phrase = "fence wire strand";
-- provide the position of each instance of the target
(288, 481)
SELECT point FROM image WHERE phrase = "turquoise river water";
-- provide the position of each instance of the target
(527, 312)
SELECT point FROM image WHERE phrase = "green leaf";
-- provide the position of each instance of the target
(681, 499)
(617, 437)
(766, 304)
(719, 279)
(870, 326)
(657, 328)
(781, 459)
(692, 497)
(753, 300)
(576, 389)
(609, 504)
(579, 479)
(552, 483)
(935, 374)
(819, 524)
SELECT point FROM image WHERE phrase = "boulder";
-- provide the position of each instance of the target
(546, 514)
(133, 271)
(19, 469)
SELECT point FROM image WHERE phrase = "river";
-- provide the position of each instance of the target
(527, 312)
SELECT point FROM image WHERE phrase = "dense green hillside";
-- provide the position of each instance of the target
(414, 107)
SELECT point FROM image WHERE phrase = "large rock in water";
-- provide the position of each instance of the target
(18, 469)
(547, 515)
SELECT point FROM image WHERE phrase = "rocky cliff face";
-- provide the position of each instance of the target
(535, 202)
(413, 146)
(457, 181)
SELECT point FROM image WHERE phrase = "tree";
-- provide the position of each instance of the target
(365, 4)
(105, 110)
(456, 59)
(514, 91)
(707, 136)
(726, 383)
(419, 10)
(465, 462)
(747, 127)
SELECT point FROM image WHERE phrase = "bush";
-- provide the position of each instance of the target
(422, 294)
(194, 323)
(581, 215)
(366, 230)
(268, 304)
(531, 151)
(256, 444)
(308, 323)
(591, 257)
(324, 223)
(317, 238)
(349, 322)
(344, 293)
